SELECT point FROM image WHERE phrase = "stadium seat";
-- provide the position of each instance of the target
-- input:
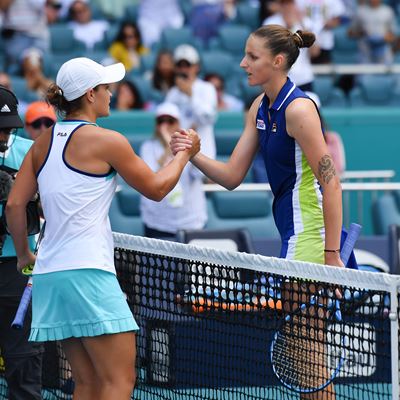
(129, 122)
(125, 212)
(220, 62)
(375, 90)
(249, 93)
(62, 41)
(346, 49)
(385, 213)
(231, 38)
(248, 15)
(173, 37)
(147, 62)
(329, 95)
(20, 89)
(234, 210)
(145, 88)
(131, 12)
(227, 239)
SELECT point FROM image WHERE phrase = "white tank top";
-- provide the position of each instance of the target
(75, 205)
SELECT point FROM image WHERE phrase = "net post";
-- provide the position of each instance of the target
(394, 339)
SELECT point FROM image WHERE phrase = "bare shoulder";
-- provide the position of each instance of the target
(301, 108)
(302, 118)
(103, 136)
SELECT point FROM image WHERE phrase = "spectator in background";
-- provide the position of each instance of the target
(85, 29)
(268, 8)
(39, 117)
(375, 27)
(325, 16)
(226, 101)
(24, 27)
(206, 17)
(32, 70)
(195, 98)
(53, 8)
(185, 206)
(127, 46)
(163, 75)
(127, 97)
(156, 15)
(290, 16)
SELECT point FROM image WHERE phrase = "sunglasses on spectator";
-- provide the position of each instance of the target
(47, 122)
(183, 64)
(166, 120)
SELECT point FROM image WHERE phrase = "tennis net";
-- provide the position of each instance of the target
(209, 323)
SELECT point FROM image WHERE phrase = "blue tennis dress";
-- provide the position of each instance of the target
(297, 206)
(75, 289)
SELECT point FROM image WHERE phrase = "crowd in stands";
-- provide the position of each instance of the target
(187, 52)
(39, 35)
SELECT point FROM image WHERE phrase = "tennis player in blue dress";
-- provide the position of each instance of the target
(284, 124)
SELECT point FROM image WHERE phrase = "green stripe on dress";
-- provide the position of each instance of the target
(309, 244)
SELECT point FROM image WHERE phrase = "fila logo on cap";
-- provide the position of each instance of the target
(5, 108)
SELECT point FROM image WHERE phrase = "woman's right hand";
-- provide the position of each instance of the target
(196, 142)
(25, 261)
(181, 141)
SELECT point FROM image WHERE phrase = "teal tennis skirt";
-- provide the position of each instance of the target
(78, 303)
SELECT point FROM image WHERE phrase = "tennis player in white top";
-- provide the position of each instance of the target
(76, 296)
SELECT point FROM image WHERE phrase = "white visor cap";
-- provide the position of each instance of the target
(77, 76)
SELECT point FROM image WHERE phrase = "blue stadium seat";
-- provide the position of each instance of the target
(231, 38)
(346, 48)
(145, 88)
(131, 12)
(220, 62)
(248, 15)
(129, 122)
(62, 41)
(375, 90)
(225, 239)
(20, 89)
(173, 37)
(125, 212)
(385, 212)
(329, 95)
(249, 93)
(233, 210)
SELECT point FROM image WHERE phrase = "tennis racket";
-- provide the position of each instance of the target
(18, 322)
(300, 356)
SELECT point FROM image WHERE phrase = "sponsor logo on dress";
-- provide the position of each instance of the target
(274, 127)
(261, 124)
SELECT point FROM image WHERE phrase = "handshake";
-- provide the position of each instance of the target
(185, 139)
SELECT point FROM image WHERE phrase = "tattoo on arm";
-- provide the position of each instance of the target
(326, 168)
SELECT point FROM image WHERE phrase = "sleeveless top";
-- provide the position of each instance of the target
(297, 206)
(75, 205)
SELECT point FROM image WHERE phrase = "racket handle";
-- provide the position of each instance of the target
(349, 243)
(23, 306)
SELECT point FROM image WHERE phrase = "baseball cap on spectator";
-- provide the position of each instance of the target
(167, 109)
(39, 109)
(9, 117)
(187, 53)
(81, 74)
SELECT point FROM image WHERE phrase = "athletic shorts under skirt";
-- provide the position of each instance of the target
(78, 303)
